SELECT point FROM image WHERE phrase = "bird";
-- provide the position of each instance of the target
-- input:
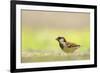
(66, 46)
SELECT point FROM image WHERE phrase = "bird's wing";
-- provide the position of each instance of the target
(72, 45)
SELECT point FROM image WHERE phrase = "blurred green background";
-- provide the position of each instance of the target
(41, 28)
(47, 39)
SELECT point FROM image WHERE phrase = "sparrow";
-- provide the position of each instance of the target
(66, 46)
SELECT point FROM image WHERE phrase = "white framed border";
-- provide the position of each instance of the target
(20, 65)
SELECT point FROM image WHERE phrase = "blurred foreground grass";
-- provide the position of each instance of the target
(40, 45)
(46, 56)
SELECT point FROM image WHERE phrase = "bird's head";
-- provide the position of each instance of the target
(60, 39)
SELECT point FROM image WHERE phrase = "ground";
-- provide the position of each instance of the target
(44, 56)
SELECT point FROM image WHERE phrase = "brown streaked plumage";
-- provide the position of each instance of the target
(67, 46)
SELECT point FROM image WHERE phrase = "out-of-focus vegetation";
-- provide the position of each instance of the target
(41, 45)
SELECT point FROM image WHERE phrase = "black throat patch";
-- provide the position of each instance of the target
(61, 45)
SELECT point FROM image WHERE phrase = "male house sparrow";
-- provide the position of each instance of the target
(66, 46)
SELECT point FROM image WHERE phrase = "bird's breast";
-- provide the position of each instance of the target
(69, 50)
